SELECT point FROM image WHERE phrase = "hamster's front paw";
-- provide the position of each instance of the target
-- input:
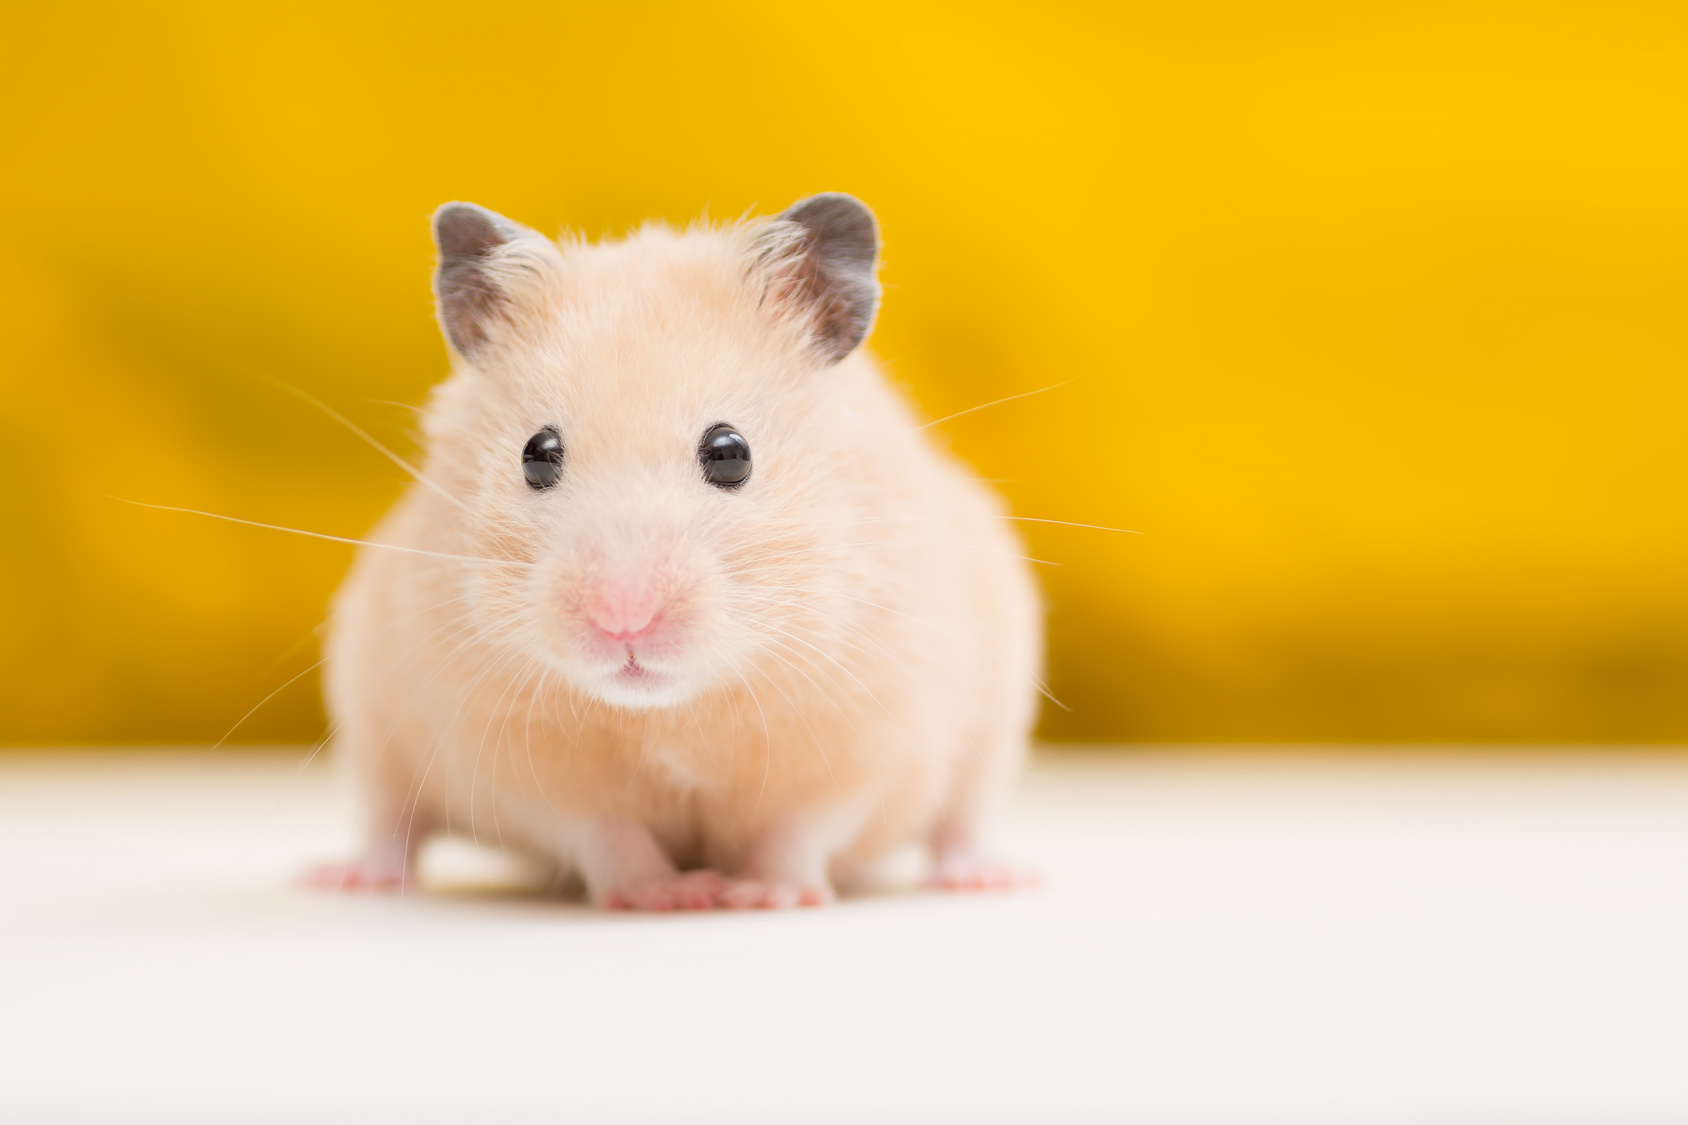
(762, 894)
(365, 873)
(688, 890)
(963, 869)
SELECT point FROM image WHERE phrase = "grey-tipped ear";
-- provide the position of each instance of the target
(469, 295)
(830, 243)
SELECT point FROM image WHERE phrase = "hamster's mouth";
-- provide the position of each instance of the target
(635, 675)
(638, 686)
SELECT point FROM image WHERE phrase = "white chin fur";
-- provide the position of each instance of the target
(653, 691)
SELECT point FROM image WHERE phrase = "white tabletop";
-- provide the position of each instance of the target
(1221, 938)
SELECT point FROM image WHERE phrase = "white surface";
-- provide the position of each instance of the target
(1221, 940)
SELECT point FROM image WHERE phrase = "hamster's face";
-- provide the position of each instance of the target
(650, 433)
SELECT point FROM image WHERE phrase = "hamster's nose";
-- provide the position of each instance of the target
(625, 613)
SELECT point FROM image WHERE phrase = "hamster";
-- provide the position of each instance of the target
(683, 603)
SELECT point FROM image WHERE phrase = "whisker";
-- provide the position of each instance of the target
(767, 742)
(528, 670)
(861, 642)
(282, 657)
(402, 405)
(264, 824)
(527, 737)
(320, 535)
(1069, 523)
(1029, 519)
(446, 731)
(290, 682)
(917, 543)
(360, 432)
(480, 750)
(793, 666)
(1049, 695)
(998, 402)
(911, 617)
(814, 739)
(1036, 681)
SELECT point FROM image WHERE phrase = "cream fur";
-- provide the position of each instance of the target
(853, 641)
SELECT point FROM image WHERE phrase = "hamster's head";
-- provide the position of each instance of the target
(654, 439)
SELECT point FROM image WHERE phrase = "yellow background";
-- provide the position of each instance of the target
(1371, 319)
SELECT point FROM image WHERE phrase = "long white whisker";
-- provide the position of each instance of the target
(320, 535)
(998, 402)
(480, 750)
(290, 682)
(1049, 695)
(917, 543)
(527, 737)
(401, 405)
(861, 644)
(446, 731)
(767, 742)
(264, 824)
(1029, 519)
(793, 666)
(911, 617)
(359, 431)
(798, 711)
(1069, 523)
(1036, 682)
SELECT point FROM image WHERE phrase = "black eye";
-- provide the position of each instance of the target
(542, 459)
(725, 456)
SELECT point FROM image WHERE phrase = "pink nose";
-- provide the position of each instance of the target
(625, 614)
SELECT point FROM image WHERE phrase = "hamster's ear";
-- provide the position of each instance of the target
(823, 253)
(483, 258)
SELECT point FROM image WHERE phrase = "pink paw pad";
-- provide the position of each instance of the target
(691, 890)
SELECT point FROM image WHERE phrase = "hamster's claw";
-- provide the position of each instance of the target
(758, 894)
(690, 890)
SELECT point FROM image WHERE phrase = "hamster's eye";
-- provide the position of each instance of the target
(542, 459)
(725, 456)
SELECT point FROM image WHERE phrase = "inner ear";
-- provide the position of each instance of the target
(467, 286)
(825, 252)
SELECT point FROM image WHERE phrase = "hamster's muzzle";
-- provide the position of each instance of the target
(624, 611)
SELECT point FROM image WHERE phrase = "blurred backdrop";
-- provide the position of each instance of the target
(1371, 318)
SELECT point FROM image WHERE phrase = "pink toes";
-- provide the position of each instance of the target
(757, 894)
(356, 875)
(964, 871)
(693, 890)
(705, 890)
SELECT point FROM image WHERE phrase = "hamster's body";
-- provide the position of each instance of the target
(636, 671)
